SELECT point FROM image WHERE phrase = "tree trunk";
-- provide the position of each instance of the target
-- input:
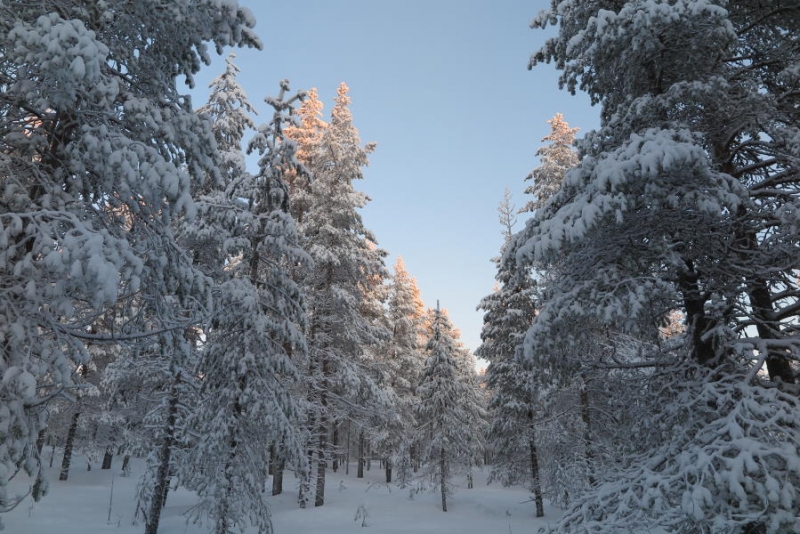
(126, 465)
(304, 489)
(587, 433)
(73, 428)
(360, 454)
(388, 465)
(535, 480)
(108, 456)
(166, 492)
(347, 454)
(322, 443)
(272, 459)
(443, 479)
(319, 496)
(778, 363)
(694, 303)
(161, 482)
(335, 448)
(305, 476)
(40, 440)
(277, 476)
(223, 516)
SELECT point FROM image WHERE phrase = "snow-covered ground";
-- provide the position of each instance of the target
(81, 506)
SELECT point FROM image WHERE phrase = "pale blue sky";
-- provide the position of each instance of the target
(442, 87)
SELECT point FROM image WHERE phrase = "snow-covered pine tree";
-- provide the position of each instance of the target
(96, 137)
(333, 233)
(474, 404)
(231, 115)
(575, 396)
(252, 344)
(403, 365)
(447, 415)
(308, 136)
(683, 201)
(382, 412)
(515, 396)
(555, 159)
(159, 426)
(217, 234)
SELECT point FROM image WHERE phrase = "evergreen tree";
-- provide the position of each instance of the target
(382, 414)
(98, 151)
(680, 203)
(308, 136)
(403, 366)
(446, 414)
(555, 159)
(247, 362)
(474, 404)
(159, 426)
(340, 374)
(517, 388)
(157, 429)
(515, 396)
(217, 234)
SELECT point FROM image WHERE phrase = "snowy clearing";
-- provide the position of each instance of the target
(81, 506)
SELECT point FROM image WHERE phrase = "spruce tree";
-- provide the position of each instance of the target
(252, 344)
(555, 159)
(516, 386)
(402, 367)
(157, 429)
(308, 136)
(382, 413)
(515, 394)
(474, 404)
(448, 418)
(340, 374)
(157, 388)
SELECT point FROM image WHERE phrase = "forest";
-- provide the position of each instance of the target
(225, 328)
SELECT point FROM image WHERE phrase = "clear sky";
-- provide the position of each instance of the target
(442, 87)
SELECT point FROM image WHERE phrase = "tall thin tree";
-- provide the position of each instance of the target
(253, 343)
(334, 235)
